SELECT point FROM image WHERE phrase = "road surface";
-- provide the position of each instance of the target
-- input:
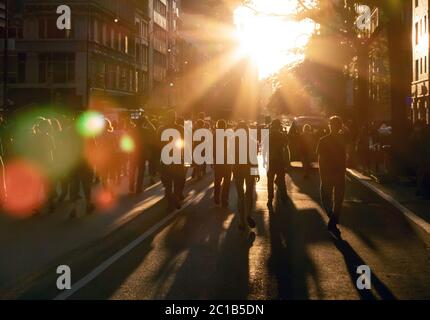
(199, 253)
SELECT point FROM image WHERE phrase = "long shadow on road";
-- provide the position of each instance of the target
(356, 199)
(216, 263)
(353, 261)
(289, 262)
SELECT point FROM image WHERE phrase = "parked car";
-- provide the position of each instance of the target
(319, 127)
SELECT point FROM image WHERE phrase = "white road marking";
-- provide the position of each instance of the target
(192, 198)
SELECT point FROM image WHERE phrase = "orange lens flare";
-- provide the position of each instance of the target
(26, 189)
(105, 199)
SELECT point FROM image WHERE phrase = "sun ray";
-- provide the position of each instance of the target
(208, 74)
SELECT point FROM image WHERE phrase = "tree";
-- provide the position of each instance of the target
(338, 18)
(292, 96)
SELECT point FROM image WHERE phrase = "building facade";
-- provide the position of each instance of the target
(420, 53)
(114, 56)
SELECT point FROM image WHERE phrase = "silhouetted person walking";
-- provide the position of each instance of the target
(222, 172)
(332, 165)
(82, 173)
(244, 179)
(146, 132)
(307, 147)
(277, 162)
(173, 176)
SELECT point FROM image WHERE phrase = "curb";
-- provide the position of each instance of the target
(411, 216)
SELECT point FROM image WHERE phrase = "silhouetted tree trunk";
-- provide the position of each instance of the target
(399, 28)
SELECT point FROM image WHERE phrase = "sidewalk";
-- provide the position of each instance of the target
(28, 245)
(400, 195)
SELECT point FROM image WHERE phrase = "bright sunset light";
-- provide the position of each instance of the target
(219, 153)
(270, 36)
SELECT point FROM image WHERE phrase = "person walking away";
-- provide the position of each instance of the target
(331, 152)
(65, 138)
(306, 145)
(198, 169)
(277, 162)
(82, 173)
(134, 156)
(172, 175)
(154, 153)
(244, 179)
(222, 172)
(116, 155)
(44, 147)
(146, 132)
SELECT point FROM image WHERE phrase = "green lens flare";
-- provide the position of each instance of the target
(127, 144)
(91, 123)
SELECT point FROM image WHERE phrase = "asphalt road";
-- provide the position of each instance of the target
(199, 253)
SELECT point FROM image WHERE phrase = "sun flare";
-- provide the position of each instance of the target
(269, 35)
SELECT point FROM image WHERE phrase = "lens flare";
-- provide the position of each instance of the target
(26, 189)
(104, 199)
(127, 144)
(90, 124)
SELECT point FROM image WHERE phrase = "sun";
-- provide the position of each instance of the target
(269, 35)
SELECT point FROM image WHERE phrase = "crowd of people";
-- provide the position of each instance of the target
(73, 161)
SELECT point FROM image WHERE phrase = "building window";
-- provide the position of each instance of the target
(160, 8)
(112, 39)
(416, 33)
(48, 30)
(126, 44)
(416, 3)
(131, 80)
(98, 75)
(145, 55)
(138, 54)
(136, 81)
(111, 81)
(16, 68)
(416, 70)
(145, 30)
(160, 59)
(14, 32)
(144, 82)
(138, 29)
(117, 76)
(123, 79)
(96, 31)
(56, 67)
(104, 35)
